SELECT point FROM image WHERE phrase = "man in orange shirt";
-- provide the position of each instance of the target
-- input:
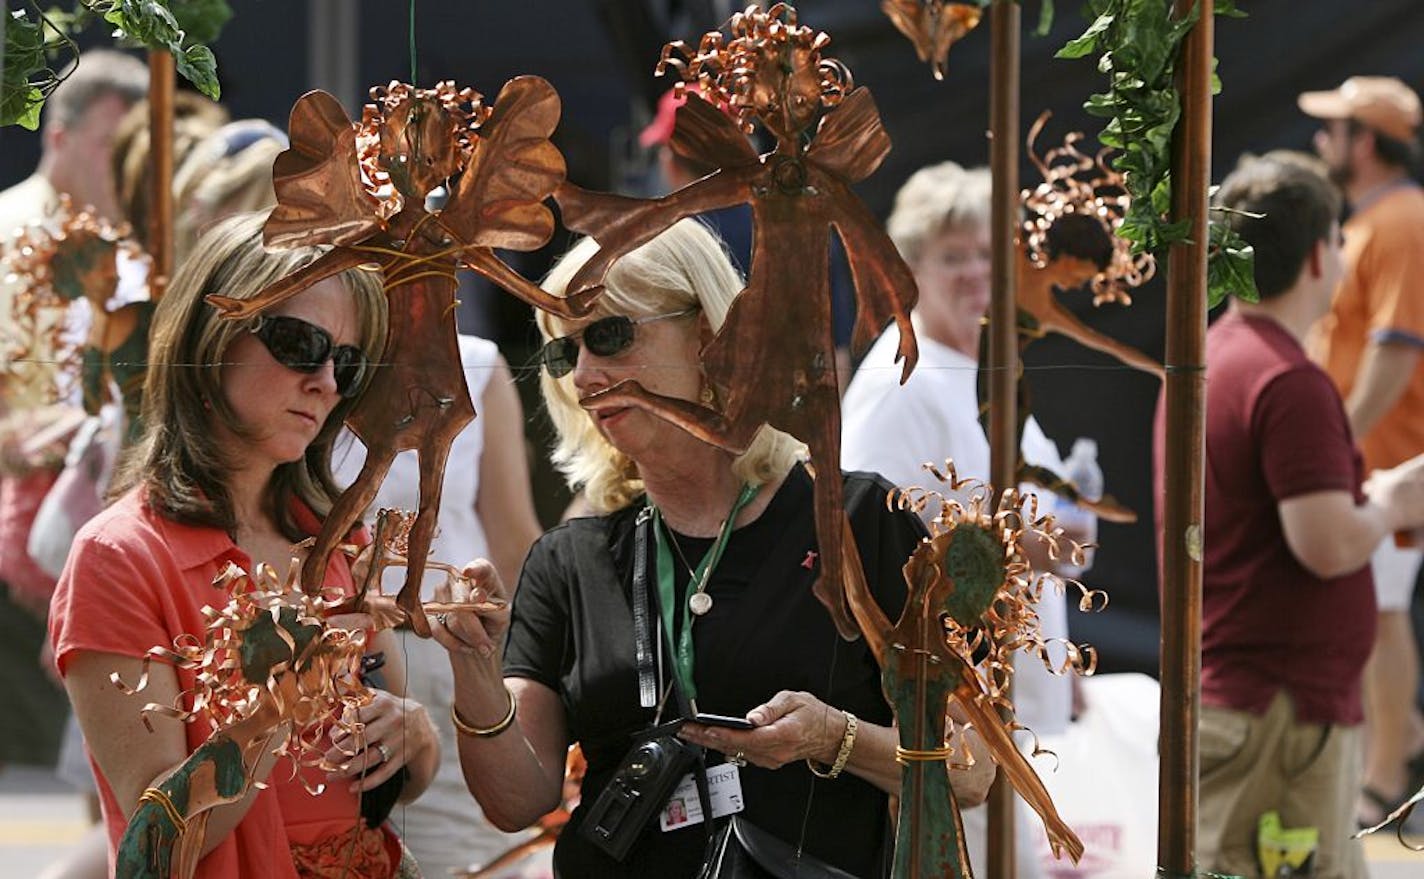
(1370, 345)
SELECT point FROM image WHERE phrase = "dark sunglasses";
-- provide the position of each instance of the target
(305, 347)
(605, 337)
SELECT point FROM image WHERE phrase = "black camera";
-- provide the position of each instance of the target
(642, 784)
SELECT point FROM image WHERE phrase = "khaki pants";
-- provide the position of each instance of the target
(1252, 764)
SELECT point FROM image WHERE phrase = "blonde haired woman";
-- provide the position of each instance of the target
(232, 467)
(730, 556)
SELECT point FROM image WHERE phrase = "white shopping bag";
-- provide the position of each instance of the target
(1105, 787)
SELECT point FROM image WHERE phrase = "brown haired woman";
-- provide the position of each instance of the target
(233, 467)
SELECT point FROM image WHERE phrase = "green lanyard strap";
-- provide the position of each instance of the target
(667, 588)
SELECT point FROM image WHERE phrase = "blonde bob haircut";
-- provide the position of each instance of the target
(934, 200)
(179, 459)
(684, 267)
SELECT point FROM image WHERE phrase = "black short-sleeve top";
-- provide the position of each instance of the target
(572, 630)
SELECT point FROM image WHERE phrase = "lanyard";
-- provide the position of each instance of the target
(682, 659)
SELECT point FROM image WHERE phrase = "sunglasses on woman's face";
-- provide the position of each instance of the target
(605, 337)
(306, 347)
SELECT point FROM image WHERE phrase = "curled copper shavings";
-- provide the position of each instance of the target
(1075, 183)
(1009, 624)
(411, 140)
(269, 645)
(771, 69)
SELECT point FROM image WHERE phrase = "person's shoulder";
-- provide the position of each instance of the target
(25, 202)
(127, 523)
(1255, 347)
(866, 488)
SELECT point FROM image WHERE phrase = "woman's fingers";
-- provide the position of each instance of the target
(791, 726)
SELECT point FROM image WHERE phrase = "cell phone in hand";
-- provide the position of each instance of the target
(723, 720)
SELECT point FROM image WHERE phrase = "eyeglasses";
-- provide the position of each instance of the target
(605, 337)
(306, 347)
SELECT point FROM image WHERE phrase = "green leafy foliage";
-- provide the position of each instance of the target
(31, 39)
(36, 43)
(1137, 43)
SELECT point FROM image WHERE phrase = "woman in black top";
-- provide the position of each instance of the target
(752, 639)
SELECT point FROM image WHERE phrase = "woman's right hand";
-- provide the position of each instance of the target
(475, 632)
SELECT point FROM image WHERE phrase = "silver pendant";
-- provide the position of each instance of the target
(700, 602)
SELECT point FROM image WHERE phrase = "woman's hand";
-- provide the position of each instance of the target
(791, 726)
(395, 731)
(477, 631)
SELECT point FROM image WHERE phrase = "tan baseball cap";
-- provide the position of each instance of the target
(1381, 102)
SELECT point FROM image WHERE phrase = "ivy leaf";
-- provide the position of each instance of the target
(27, 76)
(1088, 42)
(1227, 9)
(201, 20)
(1045, 19)
(198, 66)
(1230, 269)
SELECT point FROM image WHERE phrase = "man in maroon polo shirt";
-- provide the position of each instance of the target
(1288, 612)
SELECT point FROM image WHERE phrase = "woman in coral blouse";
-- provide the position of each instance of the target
(233, 467)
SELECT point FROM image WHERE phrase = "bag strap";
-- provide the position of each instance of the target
(642, 630)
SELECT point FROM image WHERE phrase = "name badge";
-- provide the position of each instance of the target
(684, 808)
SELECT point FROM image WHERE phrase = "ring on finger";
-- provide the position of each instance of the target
(385, 751)
(738, 759)
(441, 618)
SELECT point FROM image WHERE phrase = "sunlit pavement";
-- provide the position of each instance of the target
(41, 818)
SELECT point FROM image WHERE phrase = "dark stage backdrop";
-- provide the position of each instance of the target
(598, 54)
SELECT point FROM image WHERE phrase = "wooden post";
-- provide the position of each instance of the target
(1003, 338)
(162, 82)
(1182, 466)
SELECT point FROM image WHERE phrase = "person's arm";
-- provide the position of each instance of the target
(1332, 535)
(1385, 372)
(516, 775)
(505, 503)
(130, 757)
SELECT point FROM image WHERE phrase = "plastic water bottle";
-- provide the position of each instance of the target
(1081, 468)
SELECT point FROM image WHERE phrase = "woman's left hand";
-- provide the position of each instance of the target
(395, 730)
(791, 726)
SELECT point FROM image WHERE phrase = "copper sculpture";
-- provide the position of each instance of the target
(932, 26)
(1067, 241)
(74, 256)
(272, 677)
(371, 191)
(269, 678)
(972, 592)
(773, 361)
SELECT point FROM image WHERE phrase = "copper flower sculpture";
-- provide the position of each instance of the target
(269, 677)
(971, 596)
(773, 361)
(1067, 240)
(73, 256)
(933, 26)
(371, 191)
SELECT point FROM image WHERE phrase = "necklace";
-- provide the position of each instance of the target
(699, 602)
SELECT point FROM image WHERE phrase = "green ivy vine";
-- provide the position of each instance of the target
(1137, 43)
(39, 43)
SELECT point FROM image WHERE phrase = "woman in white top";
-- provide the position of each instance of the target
(486, 511)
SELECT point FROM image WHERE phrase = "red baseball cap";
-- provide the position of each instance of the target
(659, 131)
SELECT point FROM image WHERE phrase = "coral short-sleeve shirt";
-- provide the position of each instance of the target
(135, 580)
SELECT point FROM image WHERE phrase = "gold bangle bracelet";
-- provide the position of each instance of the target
(905, 756)
(843, 755)
(160, 798)
(484, 732)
